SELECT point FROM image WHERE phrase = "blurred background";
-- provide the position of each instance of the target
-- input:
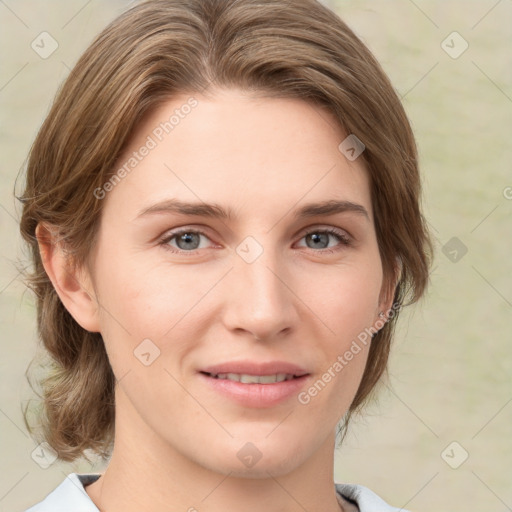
(439, 437)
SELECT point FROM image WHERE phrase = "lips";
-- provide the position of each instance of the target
(252, 384)
(253, 368)
(246, 378)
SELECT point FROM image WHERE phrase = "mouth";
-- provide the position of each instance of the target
(246, 378)
(257, 385)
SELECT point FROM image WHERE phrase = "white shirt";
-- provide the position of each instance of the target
(70, 496)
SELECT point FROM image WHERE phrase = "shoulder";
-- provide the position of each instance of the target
(69, 496)
(364, 498)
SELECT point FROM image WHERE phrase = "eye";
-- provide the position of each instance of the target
(187, 240)
(319, 239)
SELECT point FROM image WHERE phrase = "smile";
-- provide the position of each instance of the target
(245, 378)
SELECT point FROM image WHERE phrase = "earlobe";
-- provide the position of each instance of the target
(73, 286)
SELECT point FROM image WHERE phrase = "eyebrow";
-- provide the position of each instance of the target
(214, 210)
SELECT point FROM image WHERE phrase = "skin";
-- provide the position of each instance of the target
(176, 439)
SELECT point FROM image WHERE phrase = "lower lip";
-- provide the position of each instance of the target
(256, 395)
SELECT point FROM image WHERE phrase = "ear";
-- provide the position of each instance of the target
(387, 293)
(73, 286)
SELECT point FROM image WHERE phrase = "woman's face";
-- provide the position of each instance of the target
(212, 266)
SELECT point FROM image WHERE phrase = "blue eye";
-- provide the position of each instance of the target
(189, 240)
(186, 240)
(320, 237)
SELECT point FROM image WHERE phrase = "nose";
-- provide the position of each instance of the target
(260, 299)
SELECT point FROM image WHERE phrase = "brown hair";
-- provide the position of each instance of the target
(278, 48)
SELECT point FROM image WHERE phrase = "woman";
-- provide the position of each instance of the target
(223, 212)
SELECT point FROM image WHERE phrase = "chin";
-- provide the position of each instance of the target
(260, 458)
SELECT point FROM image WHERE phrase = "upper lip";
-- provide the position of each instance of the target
(254, 368)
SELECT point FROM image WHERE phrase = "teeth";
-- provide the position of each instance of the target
(247, 379)
(254, 379)
(268, 379)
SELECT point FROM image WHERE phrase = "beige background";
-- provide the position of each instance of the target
(452, 361)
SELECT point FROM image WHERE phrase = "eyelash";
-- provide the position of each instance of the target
(343, 238)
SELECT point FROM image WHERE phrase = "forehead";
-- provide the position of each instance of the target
(240, 150)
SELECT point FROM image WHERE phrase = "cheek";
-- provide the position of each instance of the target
(345, 297)
(346, 300)
(146, 300)
(348, 310)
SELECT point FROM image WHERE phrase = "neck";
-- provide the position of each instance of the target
(146, 473)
